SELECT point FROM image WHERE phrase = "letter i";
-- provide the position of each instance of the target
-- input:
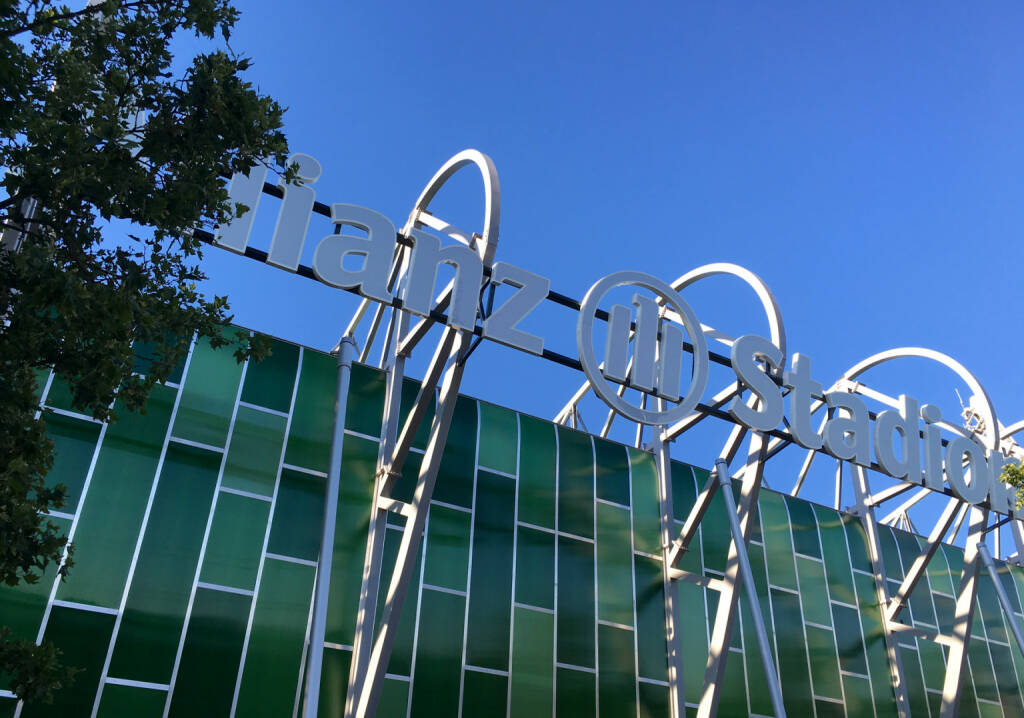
(293, 219)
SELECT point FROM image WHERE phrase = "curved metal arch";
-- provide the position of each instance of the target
(768, 302)
(991, 425)
(1012, 429)
(492, 197)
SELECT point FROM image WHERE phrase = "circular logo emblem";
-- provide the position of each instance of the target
(656, 363)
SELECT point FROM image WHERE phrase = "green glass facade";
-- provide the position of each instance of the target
(538, 587)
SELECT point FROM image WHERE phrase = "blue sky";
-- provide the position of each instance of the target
(866, 162)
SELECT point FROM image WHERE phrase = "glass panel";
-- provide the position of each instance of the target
(532, 664)
(981, 670)
(309, 438)
(824, 664)
(653, 701)
(119, 701)
(270, 382)
(499, 438)
(612, 472)
(684, 490)
(836, 555)
(616, 689)
(890, 553)
(274, 655)
(484, 694)
(365, 410)
(813, 591)
(650, 619)
(991, 612)
(851, 647)
(777, 544)
(1006, 680)
(575, 483)
(394, 698)
(715, 535)
(299, 512)
(438, 655)
(805, 528)
(236, 541)
(576, 602)
(574, 694)
(646, 514)
(255, 451)
(614, 565)
(858, 696)
(535, 568)
(333, 683)
(155, 611)
(859, 557)
(209, 660)
(458, 463)
(915, 682)
(490, 594)
(537, 466)
(145, 354)
(108, 524)
(447, 548)
(82, 637)
(208, 397)
(692, 622)
(796, 684)
(359, 461)
(22, 606)
(734, 688)
(410, 390)
(74, 442)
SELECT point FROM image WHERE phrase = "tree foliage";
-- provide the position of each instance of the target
(114, 150)
(1013, 474)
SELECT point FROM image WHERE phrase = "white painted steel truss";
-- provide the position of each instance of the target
(399, 333)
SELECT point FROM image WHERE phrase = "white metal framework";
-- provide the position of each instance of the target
(399, 332)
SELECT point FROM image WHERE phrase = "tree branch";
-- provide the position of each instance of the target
(58, 17)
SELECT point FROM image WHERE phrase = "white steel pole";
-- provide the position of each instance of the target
(346, 353)
(722, 469)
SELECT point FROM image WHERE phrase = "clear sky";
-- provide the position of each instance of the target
(866, 162)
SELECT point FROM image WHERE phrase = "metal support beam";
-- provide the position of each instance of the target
(917, 569)
(346, 352)
(966, 599)
(747, 578)
(677, 694)
(725, 617)
(862, 492)
(363, 695)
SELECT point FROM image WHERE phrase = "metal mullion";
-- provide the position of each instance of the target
(828, 594)
(263, 552)
(920, 565)
(206, 538)
(663, 463)
(142, 533)
(966, 599)
(862, 491)
(515, 563)
(370, 690)
(597, 643)
(632, 582)
(726, 612)
(554, 631)
(469, 567)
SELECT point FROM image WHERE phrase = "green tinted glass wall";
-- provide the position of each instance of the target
(537, 591)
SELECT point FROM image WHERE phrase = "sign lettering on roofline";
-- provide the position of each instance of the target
(904, 443)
